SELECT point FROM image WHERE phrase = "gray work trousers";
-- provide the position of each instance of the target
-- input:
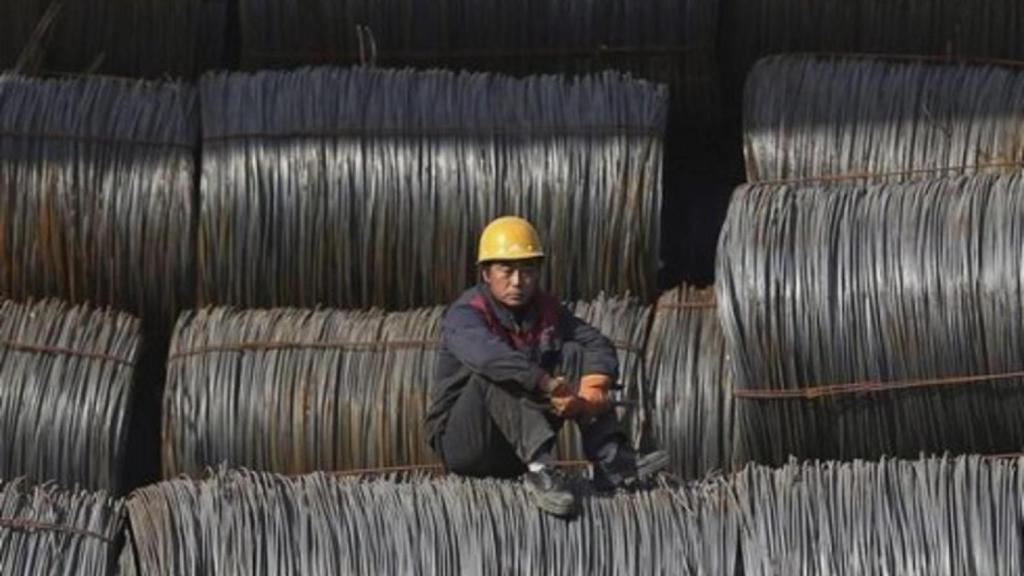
(494, 429)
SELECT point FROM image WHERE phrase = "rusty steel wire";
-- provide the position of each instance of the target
(940, 28)
(294, 391)
(96, 193)
(48, 531)
(625, 322)
(883, 119)
(690, 401)
(363, 187)
(67, 376)
(137, 38)
(875, 320)
(668, 41)
(240, 522)
(949, 516)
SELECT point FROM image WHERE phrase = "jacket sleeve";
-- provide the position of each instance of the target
(468, 338)
(599, 355)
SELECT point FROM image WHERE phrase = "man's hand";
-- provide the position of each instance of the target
(564, 403)
(595, 394)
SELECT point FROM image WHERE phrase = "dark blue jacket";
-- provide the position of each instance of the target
(481, 336)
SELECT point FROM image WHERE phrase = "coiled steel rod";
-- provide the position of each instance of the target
(66, 384)
(876, 320)
(362, 187)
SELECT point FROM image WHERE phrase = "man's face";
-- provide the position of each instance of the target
(513, 283)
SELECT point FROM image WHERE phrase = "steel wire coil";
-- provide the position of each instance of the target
(881, 119)
(360, 187)
(67, 376)
(240, 522)
(96, 193)
(49, 531)
(923, 517)
(689, 402)
(869, 320)
(295, 391)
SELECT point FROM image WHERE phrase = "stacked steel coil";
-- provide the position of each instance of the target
(360, 187)
(881, 119)
(294, 391)
(96, 193)
(919, 517)
(876, 320)
(669, 41)
(250, 523)
(931, 516)
(690, 398)
(941, 28)
(66, 385)
(46, 530)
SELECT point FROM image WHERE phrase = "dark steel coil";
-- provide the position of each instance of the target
(49, 531)
(361, 187)
(891, 313)
(880, 118)
(67, 376)
(96, 193)
(240, 522)
(295, 391)
(690, 392)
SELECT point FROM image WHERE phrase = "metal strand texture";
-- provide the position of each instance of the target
(925, 517)
(690, 398)
(668, 41)
(138, 38)
(240, 522)
(936, 516)
(869, 320)
(362, 187)
(96, 193)
(881, 119)
(48, 531)
(66, 382)
(294, 391)
(939, 28)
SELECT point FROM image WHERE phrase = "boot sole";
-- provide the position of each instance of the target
(562, 505)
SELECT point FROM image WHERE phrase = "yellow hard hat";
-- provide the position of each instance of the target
(509, 238)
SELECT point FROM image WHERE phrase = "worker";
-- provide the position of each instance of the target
(499, 397)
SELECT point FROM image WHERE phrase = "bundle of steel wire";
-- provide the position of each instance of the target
(48, 531)
(839, 117)
(249, 523)
(924, 517)
(66, 381)
(139, 38)
(940, 28)
(360, 187)
(868, 320)
(295, 391)
(689, 400)
(96, 193)
(669, 41)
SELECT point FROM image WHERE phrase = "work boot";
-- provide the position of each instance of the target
(627, 470)
(550, 491)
